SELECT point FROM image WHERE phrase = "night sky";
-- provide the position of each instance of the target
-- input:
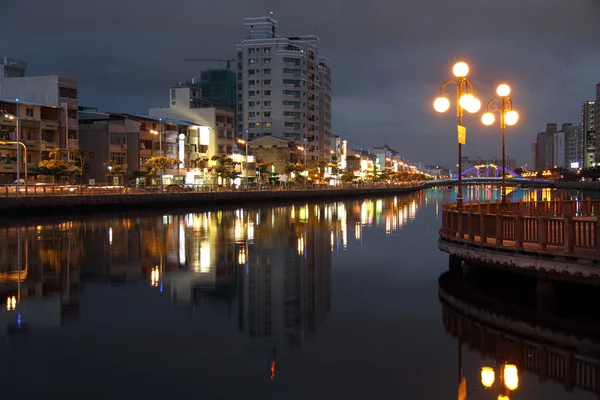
(388, 58)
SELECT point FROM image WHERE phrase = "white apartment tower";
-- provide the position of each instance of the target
(284, 89)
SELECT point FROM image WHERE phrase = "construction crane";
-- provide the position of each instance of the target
(228, 61)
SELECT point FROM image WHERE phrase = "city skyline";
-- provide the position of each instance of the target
(383, 96)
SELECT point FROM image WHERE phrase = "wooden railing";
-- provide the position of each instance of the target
(564, 226)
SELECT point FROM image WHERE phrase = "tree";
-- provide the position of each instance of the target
(263, 169)
(80, 157)
(225, 168)
(57, 154)
(347, 176)
(160, 163)
(53, 167)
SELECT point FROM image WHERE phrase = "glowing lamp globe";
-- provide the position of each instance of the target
(511, 377)
(441, 104)
(488, 376)
(460, 69)
(466, 101)
(475, 106)
(501, 397)
(488, 118)
(511, 117)
(503, 90)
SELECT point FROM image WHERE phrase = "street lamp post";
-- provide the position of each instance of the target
(508, 116)
(159, 133)
(245, 143)
(17, 142)
(465, 100)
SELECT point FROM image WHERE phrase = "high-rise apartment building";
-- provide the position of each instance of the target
(588, 124)
(559, 149)
(597, 122)
(281, 82)
(219, 88)
(573, 146)
(544, 151)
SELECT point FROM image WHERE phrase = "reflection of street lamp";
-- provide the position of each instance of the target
(154, 276)
(11, 303)
(508, 116)
(465, 100)
(509, 376)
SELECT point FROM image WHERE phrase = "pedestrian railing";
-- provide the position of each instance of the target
(95, 190)
(563, 226)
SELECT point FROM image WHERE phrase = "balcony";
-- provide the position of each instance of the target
(72, 143)
(11, 168)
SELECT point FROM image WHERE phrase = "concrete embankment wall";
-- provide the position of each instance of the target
(125, 202)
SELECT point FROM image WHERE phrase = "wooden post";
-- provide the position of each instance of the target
(459, 224)
(518, 231)
(588, 206)
(499, 231)
(597, 235)
(482, 228)
(568, 233)
(542, 228)
(470, 235)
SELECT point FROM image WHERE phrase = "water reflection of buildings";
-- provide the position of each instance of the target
(271, 267)
(39, 278)
(549, 346)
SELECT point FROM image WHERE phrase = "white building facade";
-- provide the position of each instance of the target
(284, 89)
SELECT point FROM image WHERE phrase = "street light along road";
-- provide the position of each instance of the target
(508, 116)
(465, 100)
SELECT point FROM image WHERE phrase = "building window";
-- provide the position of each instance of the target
(251, 51)
(266, 103)
(173, 94)
(251, 61)
(117, 138)
(118, 158)
(221, 134)
(267, 124)
(267, 61)
(251, 114)
(29, 112)
(221, 148)
(251, 82)
(267, 71)
(267, 49)
(266, 92)
(67, 93)
(267, 114)
(250, 104)
(251, 93)
(229, 150)
(250, 72)
(267, 82)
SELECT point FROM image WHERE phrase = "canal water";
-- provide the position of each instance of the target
(342, 300)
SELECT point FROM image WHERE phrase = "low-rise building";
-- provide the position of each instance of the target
(39, 132)
(52, 90)
(281, 152)
(186, 104)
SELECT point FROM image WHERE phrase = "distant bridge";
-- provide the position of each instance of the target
(489, 181)
(487, 167)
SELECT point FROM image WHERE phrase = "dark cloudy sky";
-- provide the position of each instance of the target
(388, 58)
